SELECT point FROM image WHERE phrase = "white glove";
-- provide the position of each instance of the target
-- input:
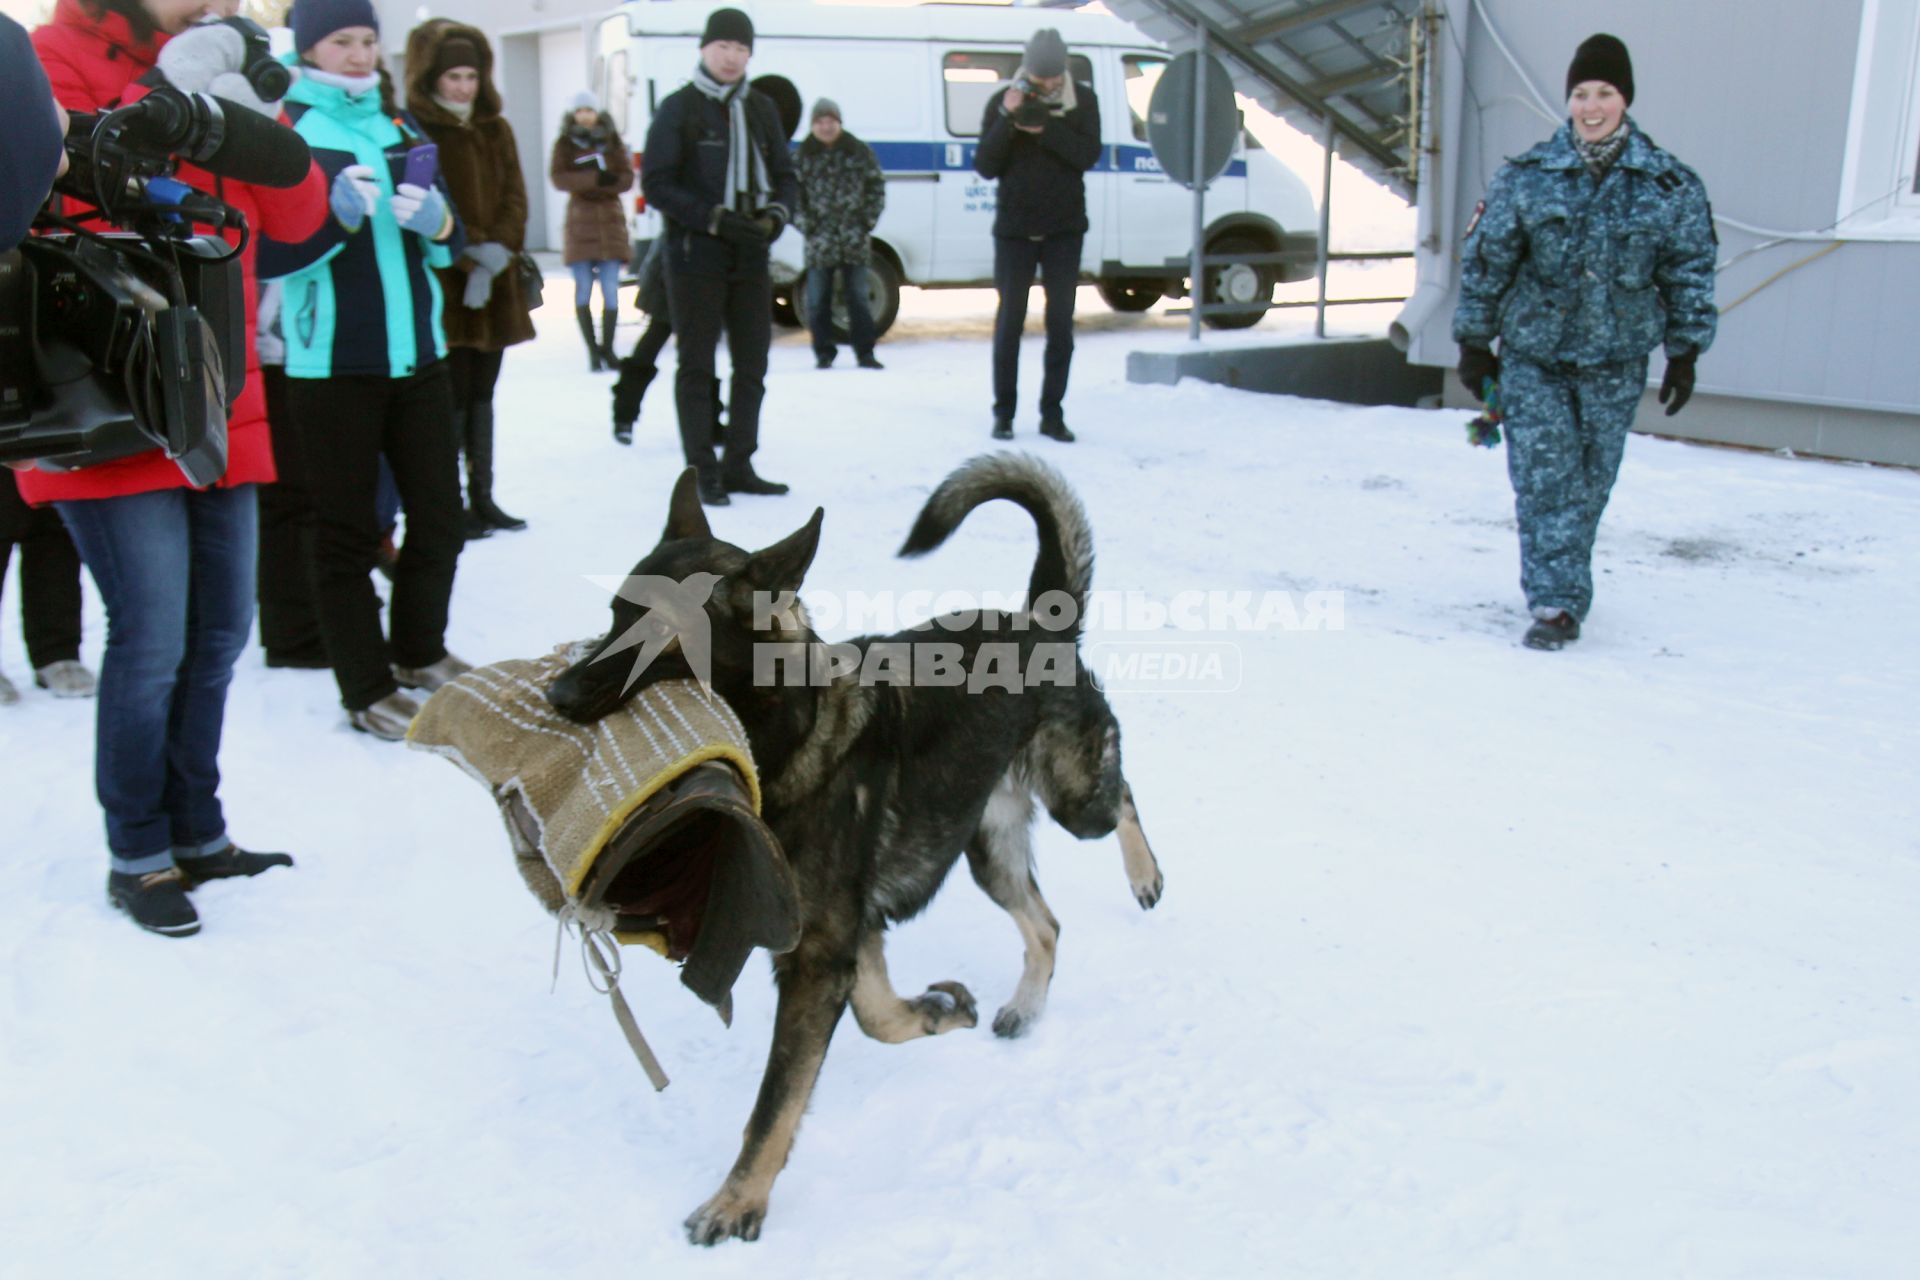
(208, 59)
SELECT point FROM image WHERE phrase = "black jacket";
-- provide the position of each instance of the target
(1043, 189)
(32, 143)
(685, 172)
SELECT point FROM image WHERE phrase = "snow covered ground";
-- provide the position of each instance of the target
(1473, 961)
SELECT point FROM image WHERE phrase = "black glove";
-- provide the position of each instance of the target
(1677, 386)
(773, 221)
(1477, 364)
(1030, 114)
(738, 229)
(606, 178)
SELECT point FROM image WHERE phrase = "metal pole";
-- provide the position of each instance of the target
(1196, 272)
(1326, 207)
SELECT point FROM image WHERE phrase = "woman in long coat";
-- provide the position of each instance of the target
(450, 91)
(590, 163)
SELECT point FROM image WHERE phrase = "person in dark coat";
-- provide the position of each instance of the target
(1039, 137)
(1590, 250)
(32, 152)
(49, 595)
(590, 163)
(450, 91)
(842, 194)
(719, 169)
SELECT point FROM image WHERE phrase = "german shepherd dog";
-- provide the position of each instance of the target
(876, 790)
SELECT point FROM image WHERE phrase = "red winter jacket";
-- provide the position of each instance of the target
(92, 63)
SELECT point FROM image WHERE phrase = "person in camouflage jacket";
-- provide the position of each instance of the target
(842, 192)
(1589, 250)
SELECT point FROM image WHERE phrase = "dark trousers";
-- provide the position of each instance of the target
(347, 425)
(1014, 261)
(713, 286)
(474, 374)
(853, 286)
(175, 569)
(653, 340)
(49, 576)
(289, 627)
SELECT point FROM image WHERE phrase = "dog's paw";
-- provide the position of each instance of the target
(727, 1215)
(1014, 1021)
(1147, 892)
(946, 1006)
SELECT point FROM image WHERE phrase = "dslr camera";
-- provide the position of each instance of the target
(114, 342)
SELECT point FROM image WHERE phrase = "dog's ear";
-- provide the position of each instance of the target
(781, 566)
(685, 517)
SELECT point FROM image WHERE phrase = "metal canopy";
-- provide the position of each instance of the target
(1311, 61)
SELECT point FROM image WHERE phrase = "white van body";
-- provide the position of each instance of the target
(913, 84)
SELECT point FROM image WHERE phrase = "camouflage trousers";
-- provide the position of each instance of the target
(1566, 431)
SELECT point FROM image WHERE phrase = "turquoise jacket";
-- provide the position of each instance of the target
(365, 301)
(1564, 269)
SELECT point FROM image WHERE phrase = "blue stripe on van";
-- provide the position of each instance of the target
(957, 156)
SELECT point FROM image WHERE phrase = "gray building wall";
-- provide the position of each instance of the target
(1755, 95)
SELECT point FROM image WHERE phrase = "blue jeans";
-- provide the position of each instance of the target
(853, 286)
(176, 571)
(607, 271)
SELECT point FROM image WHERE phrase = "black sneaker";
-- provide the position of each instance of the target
(475, 526)
(823, 362)
(1056, 430)
(227, 864)
(869, 362)
(743, 480)
(157, 901)
(1003, 428)
(623, 432)
(713, 490)
(1552, 633)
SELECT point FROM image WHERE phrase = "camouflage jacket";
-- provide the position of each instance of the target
(1565, 269)
(842, 192)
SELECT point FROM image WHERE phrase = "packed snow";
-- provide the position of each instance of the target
(1473, 961)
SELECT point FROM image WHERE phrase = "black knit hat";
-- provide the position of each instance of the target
(1602, 57)
(455, 51)
(728, 24)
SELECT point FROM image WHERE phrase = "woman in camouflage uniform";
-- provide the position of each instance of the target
(1590, 250)
(842, 191)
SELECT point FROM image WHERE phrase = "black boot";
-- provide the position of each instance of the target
(608, 320)
(741, 478)
(157, 901)
(1055, 429)
(1003, 428)
(472, 525)
(627, 393)
(1552, 633)
(480, 471)
(713, 489)
(230, 862)
(585, 316)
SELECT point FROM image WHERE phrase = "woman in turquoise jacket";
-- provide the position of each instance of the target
(366, 367)
(1589, 251)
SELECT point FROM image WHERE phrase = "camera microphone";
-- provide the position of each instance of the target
(223, 138)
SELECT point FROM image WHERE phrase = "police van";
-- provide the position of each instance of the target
(913, 83)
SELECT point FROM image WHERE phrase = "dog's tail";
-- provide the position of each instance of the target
(1065, 562)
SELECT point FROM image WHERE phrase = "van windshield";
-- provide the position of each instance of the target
(970, 77)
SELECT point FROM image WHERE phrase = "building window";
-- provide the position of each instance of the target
(1880, 179)
(970, 78)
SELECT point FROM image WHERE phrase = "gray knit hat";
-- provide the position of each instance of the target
(825, 107)
(1046, 53)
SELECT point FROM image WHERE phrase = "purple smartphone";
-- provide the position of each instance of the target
(423, 165)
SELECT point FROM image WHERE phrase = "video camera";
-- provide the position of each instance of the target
(114, 343)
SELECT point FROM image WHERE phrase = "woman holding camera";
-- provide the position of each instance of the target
(366, 366)
(174, 564)
(450, 91)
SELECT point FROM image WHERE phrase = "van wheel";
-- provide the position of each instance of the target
(1130, 293)
(1240, 283)
(883, 298)
(785, 314)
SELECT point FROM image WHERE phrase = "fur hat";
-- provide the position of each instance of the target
(728, 24)
(1602, 57)
(1046, 54)
(825, 107)
(314, 20)
(456, 51)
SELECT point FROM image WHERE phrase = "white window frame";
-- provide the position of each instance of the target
(1878, 200)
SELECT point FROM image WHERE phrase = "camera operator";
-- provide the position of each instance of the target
(31, 154)
(174, 564)
(1039, 138)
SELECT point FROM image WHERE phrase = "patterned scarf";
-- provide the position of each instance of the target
(1599, 156)
(747, 180)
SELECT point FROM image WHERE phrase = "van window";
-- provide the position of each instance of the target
(618, 90)
(1143, 74)
(969, 80)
